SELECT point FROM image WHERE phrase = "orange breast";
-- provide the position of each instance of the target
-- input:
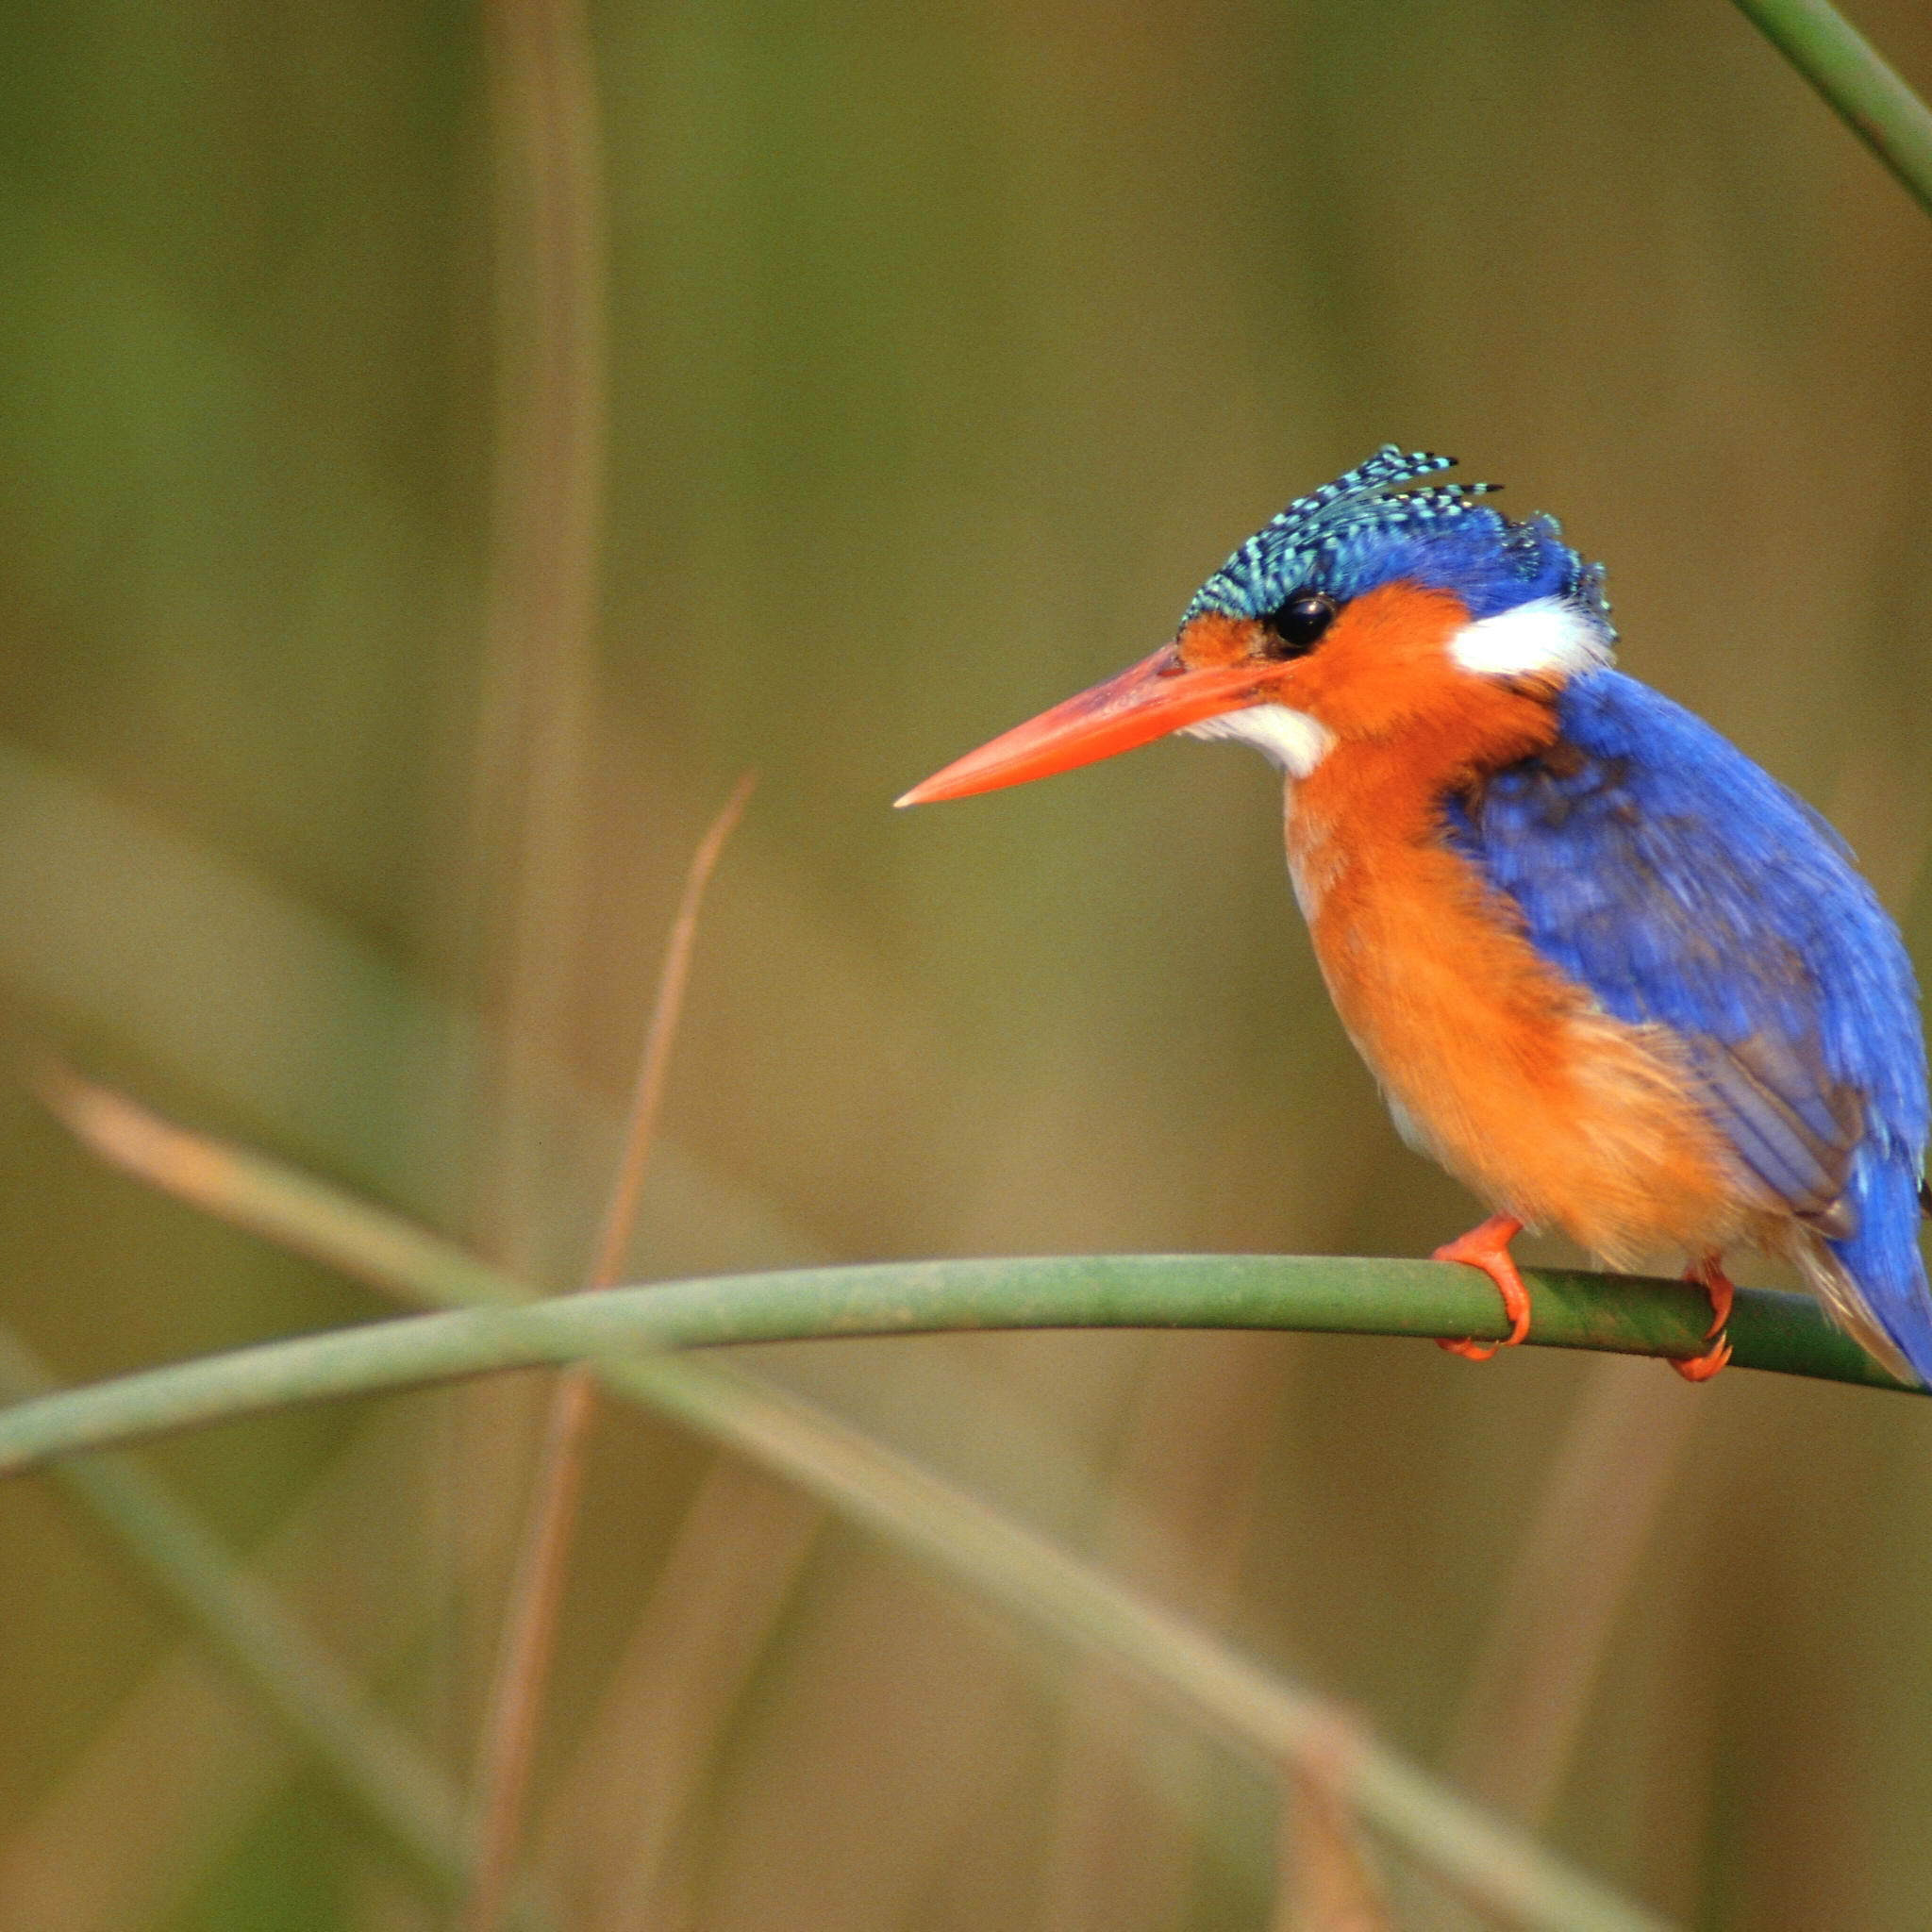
(1550, 1110)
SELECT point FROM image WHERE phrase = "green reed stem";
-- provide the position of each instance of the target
(1496, 1866)
(1857, 82)
(1003, 1561)
(1330, 1296)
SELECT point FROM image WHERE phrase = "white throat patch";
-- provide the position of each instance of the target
(1292, 740)
(1546, 635)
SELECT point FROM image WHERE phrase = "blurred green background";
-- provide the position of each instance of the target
(947, 350)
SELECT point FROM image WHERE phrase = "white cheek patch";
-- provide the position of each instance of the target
(1292, 740)
(1546, 637)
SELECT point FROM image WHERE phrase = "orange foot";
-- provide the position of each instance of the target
(1710, 1277)
(1488, 1247)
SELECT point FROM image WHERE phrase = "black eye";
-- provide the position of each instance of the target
(1297, 625)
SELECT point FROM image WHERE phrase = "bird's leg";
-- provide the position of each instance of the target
(1709, 1275)
(1488, 1247)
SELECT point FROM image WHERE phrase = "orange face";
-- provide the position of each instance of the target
(1373, 669)
(1382, 661)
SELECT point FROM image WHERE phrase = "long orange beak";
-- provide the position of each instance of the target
(1146, 701)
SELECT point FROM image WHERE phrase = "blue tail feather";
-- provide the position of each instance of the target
(1882, 1256)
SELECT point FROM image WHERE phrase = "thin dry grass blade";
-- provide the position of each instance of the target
(1530, 1690)
(1185, 1488)
(653, 1066)
(536, 1601)
(1327, 1881)
(617, 1815)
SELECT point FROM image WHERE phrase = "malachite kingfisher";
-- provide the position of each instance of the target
(1607, 972)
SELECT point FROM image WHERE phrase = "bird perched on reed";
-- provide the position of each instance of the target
(1609, 972)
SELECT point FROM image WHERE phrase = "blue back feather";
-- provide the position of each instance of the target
(1653, 861)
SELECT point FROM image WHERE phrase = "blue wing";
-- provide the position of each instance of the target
(1653, 861)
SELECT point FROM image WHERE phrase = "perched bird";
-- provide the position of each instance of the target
(1609, 972)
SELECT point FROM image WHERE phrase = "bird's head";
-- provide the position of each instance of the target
(1363, 610)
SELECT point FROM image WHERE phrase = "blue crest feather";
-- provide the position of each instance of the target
(1365, 529)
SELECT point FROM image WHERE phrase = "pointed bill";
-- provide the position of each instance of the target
(1146, 701)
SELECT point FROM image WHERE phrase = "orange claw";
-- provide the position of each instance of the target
(1710, 1277)
(1488, 1247)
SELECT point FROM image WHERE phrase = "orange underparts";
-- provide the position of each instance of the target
(1503, 1064)
(1488, 1247)
(1709, 1275)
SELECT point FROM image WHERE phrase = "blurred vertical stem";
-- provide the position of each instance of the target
(536, 1594)
(531, 762)
(618, 1822)
(521, 904)
(1857, 83)
(1596, 1510)
(1176, 1520)
(1525, 1704)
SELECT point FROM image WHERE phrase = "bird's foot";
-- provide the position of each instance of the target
(1709, 1275)
(1488, 1247)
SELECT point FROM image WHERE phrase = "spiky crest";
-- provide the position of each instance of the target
(1364, 529)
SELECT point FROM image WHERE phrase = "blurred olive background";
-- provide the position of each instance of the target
(947, 350)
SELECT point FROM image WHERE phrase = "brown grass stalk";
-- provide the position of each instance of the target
(617, 1826)
(1328, 1882)
(536, 1603)
(1529, 1692)
(520, 884)
(1178, 1518)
